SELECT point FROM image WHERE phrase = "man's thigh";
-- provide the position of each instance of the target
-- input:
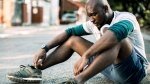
(130, 70)
(128, 65)
(79, 44)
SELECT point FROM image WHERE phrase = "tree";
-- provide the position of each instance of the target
(141, 8)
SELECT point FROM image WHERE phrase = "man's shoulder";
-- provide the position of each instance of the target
(122, 12)
(119, 14)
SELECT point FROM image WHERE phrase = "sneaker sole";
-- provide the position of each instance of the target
(24, 80)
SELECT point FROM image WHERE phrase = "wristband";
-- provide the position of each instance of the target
(46, 48)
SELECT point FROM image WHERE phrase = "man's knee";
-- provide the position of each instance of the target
(125, 49)
(126, 44)
(71, 41)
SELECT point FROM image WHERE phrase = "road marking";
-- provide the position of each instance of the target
(16, 57)
(6, 66)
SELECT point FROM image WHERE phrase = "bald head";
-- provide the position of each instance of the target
(97, 2)
(99, 11)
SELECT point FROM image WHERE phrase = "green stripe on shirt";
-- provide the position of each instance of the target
(77, 31)
(122, 29)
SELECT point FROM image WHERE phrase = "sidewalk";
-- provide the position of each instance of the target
(23, 30)
(54, 74)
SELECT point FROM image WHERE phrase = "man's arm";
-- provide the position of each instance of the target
(107, 41)
(59, 39)
(111, 37)
(41, 54)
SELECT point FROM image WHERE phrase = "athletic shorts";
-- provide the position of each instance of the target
(129, 71)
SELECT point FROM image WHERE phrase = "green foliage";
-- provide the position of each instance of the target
(147, 16)
(141, 8)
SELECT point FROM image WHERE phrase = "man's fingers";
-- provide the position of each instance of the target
(75, 69)
(37, 61)
(76, 72)
(34, 61)
(40, 61)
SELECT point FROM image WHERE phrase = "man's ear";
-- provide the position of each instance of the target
(106, 8)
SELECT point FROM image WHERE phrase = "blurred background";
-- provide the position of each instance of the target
(56, 12)
(43, 12)
(27, 25)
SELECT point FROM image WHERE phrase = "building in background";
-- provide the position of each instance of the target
(36, 12)
(18, 12)
(21, 12)
(43, 12)
(6, 12)
(72, 7)
(1, 11)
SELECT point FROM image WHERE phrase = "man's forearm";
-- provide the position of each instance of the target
(107, 41)
(58, 40)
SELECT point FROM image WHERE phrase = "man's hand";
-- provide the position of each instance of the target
(39, 58)
(80, 65)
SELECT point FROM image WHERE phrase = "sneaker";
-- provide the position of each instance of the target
(70, 81)
(26, 74)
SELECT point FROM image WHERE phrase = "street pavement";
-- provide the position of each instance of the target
(18, 46)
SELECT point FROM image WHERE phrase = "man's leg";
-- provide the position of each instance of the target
(64, 51)
(117, 54)
(29, 74)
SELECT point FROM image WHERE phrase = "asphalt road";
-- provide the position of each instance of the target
(19, 48)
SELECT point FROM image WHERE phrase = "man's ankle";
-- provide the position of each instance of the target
(38, 67)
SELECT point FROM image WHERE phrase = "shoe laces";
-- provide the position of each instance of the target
(22, 67)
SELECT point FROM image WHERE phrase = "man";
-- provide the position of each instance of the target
(118, 52)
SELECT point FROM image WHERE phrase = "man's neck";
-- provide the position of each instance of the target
(110, 17)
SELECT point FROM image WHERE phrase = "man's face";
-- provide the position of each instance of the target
(97, 15)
